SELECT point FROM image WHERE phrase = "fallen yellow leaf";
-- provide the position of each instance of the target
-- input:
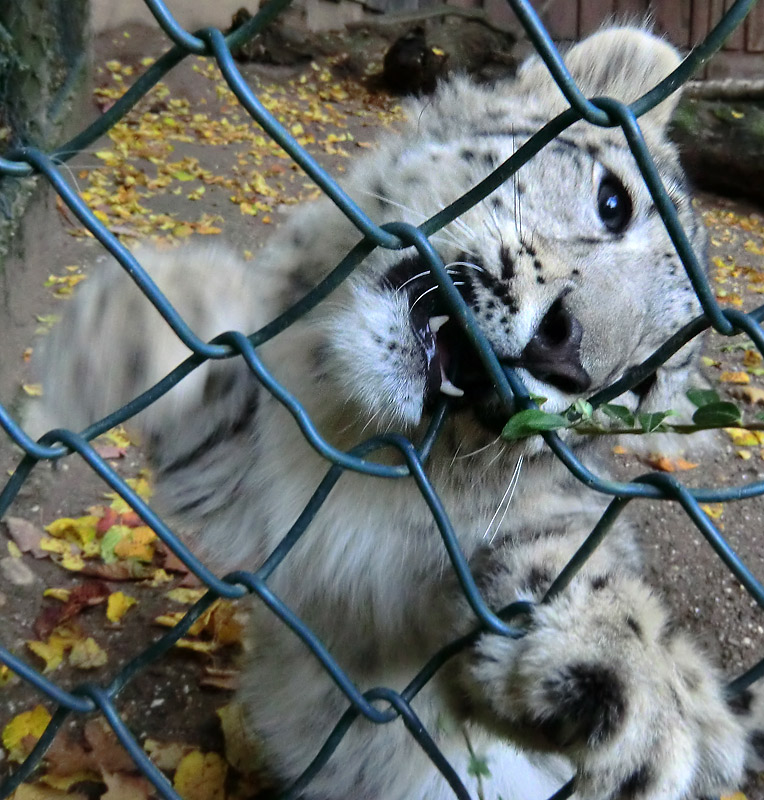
(201, 776)
(735, 377)
(22, 733)
(65, 782)
(714, 510)
(117, 606)
(87, 654)
(240, 751)
(745, 438)
(136, 543)
(184, 595)
(34, 791)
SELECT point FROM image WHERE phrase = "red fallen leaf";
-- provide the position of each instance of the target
(131, 520)
(99, 750)
(90, 593)
(26, 535)
(169, 561)
(109, 451)
(109, 519)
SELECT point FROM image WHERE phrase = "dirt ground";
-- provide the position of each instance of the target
(166, 702)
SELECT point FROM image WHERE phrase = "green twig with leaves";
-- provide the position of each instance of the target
(711, 412)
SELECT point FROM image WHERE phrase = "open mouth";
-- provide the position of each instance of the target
(452, 365)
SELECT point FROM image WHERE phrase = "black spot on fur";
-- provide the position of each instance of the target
(392, 346)
(507, 264)
(576, 272)
(467, 155)
(757, 742)
(636, 784)
(497, 203)
(136, 364)
(381, 194)
(539, 578)
(227, 429)
(600, 582)
(537, 264)
(540, 279)
(298, 285)
(218, 384)
(634, 626)
(740, 703)
(644, 387)
(589, 705)
(490, 160)
(691, 679)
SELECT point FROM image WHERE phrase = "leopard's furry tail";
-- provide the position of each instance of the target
(112, 345)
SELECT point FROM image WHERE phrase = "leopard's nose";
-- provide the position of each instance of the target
(553, 355)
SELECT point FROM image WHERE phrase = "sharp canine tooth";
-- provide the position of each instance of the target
(446, 387)
(436, 323)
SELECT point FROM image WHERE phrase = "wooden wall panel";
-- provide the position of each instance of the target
(562, 19)
(684, 22)
(754, 38)
(674, 20)
(593, 14)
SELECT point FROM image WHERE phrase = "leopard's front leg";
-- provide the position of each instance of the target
(603, 679)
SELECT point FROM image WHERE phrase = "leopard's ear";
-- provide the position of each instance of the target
(622, 63)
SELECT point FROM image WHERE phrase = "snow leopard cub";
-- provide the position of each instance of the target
(572, 278)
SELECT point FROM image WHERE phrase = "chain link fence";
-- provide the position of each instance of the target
(380, 705)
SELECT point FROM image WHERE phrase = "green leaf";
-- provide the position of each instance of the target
(538, 399)
(532, 420)
(757, 371)
(582, 409)
(717, 415)
(182, 175)
(478, 767)
(703, 397)
(760, 416)
(652, 422)
(619, 413)
(111, 539)
(746, 344)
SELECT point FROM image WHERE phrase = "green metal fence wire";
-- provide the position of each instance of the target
(380, 705)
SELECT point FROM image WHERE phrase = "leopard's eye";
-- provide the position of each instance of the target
(614, 204)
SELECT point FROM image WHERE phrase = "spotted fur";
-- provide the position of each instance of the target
(574, 281)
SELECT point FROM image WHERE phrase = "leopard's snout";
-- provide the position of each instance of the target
(553, 354)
